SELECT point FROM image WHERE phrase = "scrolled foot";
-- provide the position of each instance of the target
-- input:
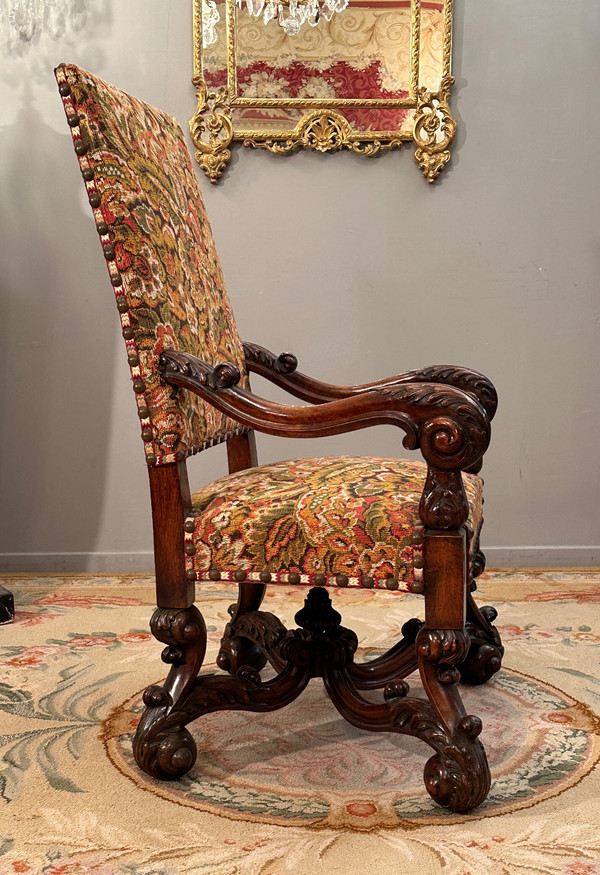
(458, 777)
(162, 747)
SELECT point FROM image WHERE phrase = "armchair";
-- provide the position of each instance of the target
(344, 521)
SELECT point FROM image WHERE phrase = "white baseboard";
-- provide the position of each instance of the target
(92, 563)
(541, 557)
(143, 561)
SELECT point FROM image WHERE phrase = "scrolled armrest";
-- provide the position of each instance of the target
(281, 370)
(449, 426)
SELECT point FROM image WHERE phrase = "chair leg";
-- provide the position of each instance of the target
(251, 633)
(458, 775)
(484, 658)
(162, 745)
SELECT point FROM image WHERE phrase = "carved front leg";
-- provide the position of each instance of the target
(458, 775)
(162, 746)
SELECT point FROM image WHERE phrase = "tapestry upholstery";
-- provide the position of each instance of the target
(345, 520)
(160, 253)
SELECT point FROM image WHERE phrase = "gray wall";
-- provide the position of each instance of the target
(356, 265)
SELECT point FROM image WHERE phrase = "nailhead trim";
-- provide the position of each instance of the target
(283, 577)
(153, 457)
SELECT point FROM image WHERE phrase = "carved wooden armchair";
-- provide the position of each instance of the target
(325, 522)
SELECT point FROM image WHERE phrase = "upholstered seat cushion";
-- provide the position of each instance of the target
(345, 520)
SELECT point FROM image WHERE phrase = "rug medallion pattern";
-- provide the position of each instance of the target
(301, 790)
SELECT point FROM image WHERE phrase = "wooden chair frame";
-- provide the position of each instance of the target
(444, 411)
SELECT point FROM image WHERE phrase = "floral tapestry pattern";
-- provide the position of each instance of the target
(160, 253)
(345, 515)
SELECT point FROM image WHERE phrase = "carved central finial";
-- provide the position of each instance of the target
(318, 614)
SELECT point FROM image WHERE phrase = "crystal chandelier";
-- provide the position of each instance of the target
(292, 14)
(22, 19)
(210, 19)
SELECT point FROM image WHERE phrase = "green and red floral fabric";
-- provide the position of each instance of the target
(160, 254)
(356, 517)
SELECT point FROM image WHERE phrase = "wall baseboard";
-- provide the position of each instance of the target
(143, 561)
(92, 563)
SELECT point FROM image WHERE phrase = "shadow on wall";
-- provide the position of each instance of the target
(55, 375)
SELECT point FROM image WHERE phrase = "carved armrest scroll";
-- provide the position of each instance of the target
(281, 370)
(449, 426)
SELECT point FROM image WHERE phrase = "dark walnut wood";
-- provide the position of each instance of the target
(444, 411)
(281, 370)
(457, 776)
(447, 424)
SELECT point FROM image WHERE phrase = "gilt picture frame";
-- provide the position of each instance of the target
(374, 77)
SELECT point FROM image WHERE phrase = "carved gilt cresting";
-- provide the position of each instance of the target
(449, 422)
(322, 125)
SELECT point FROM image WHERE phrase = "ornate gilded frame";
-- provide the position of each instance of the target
(322, 126)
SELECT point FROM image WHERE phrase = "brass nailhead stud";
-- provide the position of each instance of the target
(80, 148)
(117, 280)
(265, 576)
(127, 333)
(418, 562)
(319, 580)
(191, 575)
(151, 459)
(214, 574)
(133, 360)
(418, 586)
(94, 199)
(239, 575)
(73, 120)
(109, 252)
(189, 526)
(64, 89)
(341, 580)
(294, 578)
(88, 174)
(391, 583)
(144, 413)
(190, 550)
(122, 305)
(368, 581)
(139, 386)
(417, 538)
(102, 228)
(147, 434)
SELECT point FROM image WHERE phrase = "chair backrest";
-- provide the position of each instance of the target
(160, 254)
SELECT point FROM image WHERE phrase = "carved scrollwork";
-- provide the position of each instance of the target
(485, 654)
(323, 131)
(284, 363)
(455, 441)
(443, 647)
(434, 129)
(222, 376)
(213, 117)
(458, 776)
(251, 640)
(176, 626)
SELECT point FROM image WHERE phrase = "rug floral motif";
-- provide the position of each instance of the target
(299, 791)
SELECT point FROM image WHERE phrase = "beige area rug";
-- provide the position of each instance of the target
(299, 791)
